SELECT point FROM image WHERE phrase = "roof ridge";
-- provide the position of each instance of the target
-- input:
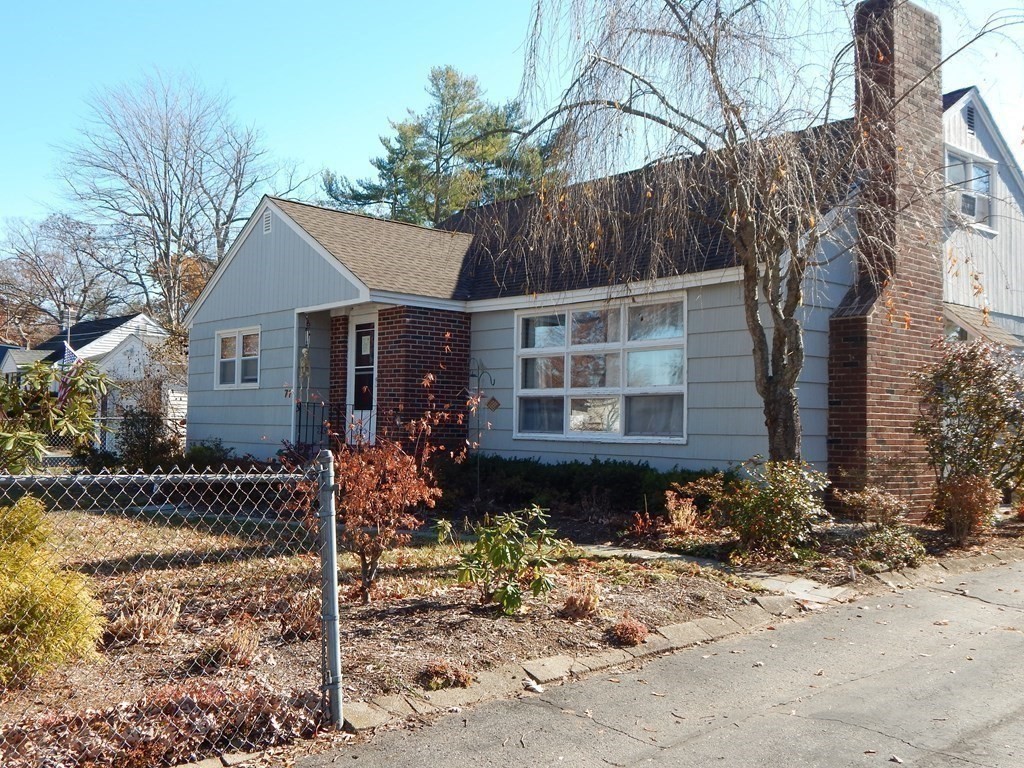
(366, 216)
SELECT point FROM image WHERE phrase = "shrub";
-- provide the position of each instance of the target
(146, 619)
(441, 673)
(513, 552)
(145, 441)
(582, 601)
(238, 647)
(965, 506)
(47, 615)
(972, 413)
(208, 454)
(894, 546)
(773, 509)
(301, 616)
(379, 487)
(628, 632)
(1018, 510)
(683, 514)
(874, 505)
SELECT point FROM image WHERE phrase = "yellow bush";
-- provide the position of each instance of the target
(47, 615)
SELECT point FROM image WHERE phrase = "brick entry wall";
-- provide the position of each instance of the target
(886, 327)
(418, 346)
(338, 389)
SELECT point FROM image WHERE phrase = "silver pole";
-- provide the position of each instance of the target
(329, 565)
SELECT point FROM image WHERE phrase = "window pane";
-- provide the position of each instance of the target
(956, 171)
(543, 372)
(595, 371)
(250, 370)
(658, 415)
(226, 372)
(656, 321)
(544, 331)
(595, 326)
(594, 414)
(250, 345)
(656, 368)
(541, 414)
(228, 347)
(982, 181)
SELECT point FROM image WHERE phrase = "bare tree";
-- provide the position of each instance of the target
(54, 267)
(163, 164)
(737, 112)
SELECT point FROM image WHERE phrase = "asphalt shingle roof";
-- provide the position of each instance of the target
(387, 255)
(83, 333)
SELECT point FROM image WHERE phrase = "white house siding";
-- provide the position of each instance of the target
(269, 276)
(996, 259)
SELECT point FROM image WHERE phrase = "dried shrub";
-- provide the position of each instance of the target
(893, 546)
(379, 487)
(48, 616)
(682, 511)
(583, 599)
(642, 528)
(1018, 510)
(972, 413)
(238, 647)
(147, 619)
(874, 505)
(441, 673)
(628, 632)
(178, 723)
(965, 505)
(300, 616)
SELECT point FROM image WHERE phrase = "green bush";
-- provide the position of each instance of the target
(893, 546)
(47, 615)
(772, 509)
(145, 441)
(208, 454)
(623, 486)
(513, 552)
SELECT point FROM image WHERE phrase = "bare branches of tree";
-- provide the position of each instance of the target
(163, 164)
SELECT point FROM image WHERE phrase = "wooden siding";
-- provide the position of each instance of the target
(996, 259)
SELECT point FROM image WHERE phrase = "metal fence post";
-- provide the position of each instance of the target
(329, 566)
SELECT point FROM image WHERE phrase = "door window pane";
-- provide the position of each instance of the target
(541, 414)
(590, 371)
(544, 331)
(362, 399)
(543, 372)
(656, 368)
(655, 415)
(595, 326)
(656, 321)
(594, 414)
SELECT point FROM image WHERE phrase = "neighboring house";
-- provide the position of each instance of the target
(122, 348)
(318, 313)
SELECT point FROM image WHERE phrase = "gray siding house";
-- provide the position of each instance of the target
(321, 315)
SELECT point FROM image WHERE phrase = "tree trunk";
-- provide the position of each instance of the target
(782, 418)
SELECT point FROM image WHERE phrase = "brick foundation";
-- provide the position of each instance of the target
(886, 327)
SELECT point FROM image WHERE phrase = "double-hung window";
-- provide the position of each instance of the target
(238, 359)
(971, 183)
(608, 371)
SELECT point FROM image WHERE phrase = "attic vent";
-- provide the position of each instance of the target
(969, 116)
(266, 222)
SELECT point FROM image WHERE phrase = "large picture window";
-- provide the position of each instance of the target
(603, 372)
(238, 359)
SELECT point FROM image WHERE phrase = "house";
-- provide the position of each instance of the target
(122, 348)
(316, 313)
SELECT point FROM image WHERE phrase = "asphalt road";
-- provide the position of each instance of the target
(926, 677)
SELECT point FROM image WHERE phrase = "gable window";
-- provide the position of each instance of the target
(238, 359)
(971, 183)
(605, 372)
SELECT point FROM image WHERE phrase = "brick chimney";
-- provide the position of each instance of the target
(886, 326)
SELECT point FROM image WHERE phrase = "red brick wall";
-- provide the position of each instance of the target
(419, 346)
(338, 390)
(887, 325)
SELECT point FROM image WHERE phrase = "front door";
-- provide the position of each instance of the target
(362, 387)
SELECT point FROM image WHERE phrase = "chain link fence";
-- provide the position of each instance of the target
(157, 619)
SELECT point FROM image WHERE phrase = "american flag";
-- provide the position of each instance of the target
(68, 365)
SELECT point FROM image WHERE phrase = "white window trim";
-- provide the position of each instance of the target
(972, 159)
(567, 392)
(237, 333)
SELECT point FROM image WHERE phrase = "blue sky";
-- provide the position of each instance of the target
(319, 79)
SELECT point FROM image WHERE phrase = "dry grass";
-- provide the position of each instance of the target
(149, 618)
